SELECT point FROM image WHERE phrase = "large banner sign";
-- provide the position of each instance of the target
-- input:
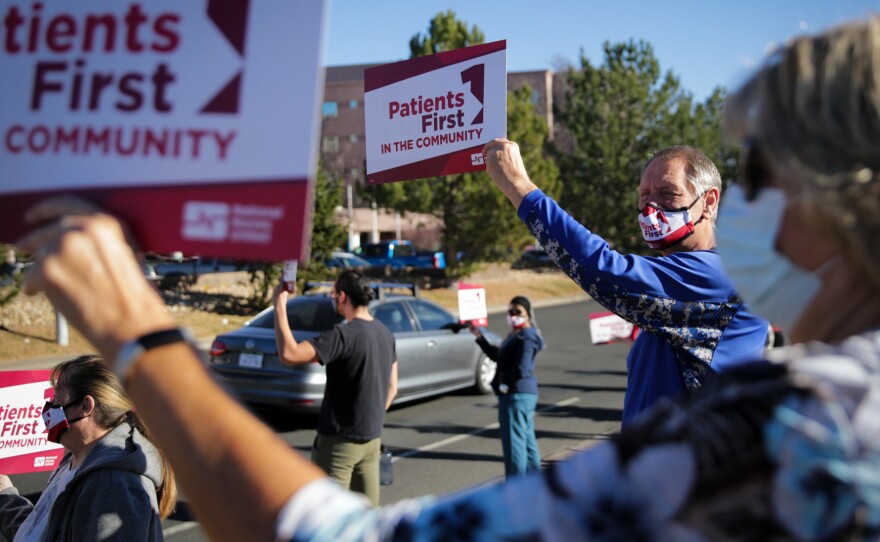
(431, 115)
(194, 121)
(23, 444)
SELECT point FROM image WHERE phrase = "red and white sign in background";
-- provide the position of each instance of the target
(432, 115)
(23, 444)
(194, 121)
(472, 304)
(606, 327)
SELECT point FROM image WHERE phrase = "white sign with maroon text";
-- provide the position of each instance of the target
(23, 444)
(472, 304)
(431, 115)
(195, 121)
(607, 327)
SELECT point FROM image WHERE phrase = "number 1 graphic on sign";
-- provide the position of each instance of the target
(475, 75)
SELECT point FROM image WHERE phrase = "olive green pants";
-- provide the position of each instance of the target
(355, 465)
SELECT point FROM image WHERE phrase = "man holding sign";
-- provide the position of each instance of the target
(361, 360)
(691, 319)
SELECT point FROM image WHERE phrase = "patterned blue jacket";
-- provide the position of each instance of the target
(690, 317)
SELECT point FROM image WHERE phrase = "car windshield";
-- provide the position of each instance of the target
(303, 314)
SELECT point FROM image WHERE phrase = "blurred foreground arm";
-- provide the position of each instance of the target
(505, 166)
(235, 471)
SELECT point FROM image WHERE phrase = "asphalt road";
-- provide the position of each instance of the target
(448, 443)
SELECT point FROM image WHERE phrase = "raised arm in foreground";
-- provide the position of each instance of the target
(84, 258)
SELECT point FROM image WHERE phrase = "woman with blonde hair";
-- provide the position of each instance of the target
(112, 483)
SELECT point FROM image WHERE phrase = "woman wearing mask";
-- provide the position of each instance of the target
(516, 387)
(112, 483)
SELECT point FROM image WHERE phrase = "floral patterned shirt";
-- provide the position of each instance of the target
(779, 450)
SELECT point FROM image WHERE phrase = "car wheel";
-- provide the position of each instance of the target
(485, 372)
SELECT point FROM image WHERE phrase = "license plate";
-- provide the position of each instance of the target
(254, 361)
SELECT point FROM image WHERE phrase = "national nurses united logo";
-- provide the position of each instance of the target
(216, 221)
(206, 221)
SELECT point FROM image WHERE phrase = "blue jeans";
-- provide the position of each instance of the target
(516, 413)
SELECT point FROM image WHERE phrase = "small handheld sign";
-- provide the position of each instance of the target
(288, 276)
(23, 444)
(472, 304)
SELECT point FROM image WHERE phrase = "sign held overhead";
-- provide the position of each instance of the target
(431, 115)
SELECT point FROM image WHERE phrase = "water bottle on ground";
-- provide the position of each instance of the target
(386, 474)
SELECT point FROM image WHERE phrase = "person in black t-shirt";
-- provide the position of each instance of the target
(361, 363)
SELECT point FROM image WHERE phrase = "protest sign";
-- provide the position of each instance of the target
(196, 122)
(23, 444)
(431, 115)
(472, 304)
(607, 327)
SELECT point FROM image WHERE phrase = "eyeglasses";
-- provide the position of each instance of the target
(754, 171)
(514, 312)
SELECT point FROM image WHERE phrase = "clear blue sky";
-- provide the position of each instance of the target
(706, 43)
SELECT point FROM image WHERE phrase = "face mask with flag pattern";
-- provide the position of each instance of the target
(664, 228)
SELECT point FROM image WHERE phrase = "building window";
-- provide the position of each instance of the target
(353, 104)
(353, 138)
(536, 96)
(331, 110)
(330, 143)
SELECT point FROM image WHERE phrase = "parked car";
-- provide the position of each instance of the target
(346, 260)
(398, 261)
(434, 355)
(536, 259)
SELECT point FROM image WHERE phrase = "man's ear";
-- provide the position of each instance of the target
(88, 405)
(711, 199)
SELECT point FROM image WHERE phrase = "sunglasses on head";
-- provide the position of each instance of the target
(754, 171)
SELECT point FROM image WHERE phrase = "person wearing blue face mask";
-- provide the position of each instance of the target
(692, 321)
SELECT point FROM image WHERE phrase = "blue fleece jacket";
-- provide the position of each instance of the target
(690, 317)
(516, 360)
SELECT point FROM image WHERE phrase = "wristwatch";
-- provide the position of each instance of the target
(132, 350)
